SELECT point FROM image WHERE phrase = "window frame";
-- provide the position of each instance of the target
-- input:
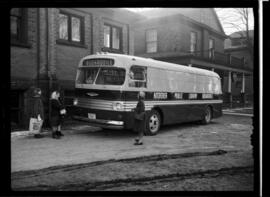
(21, 39)
(137, 81)
(69, 41)
(151, 42)
(211, 52)
(110, 48)
(196, 41)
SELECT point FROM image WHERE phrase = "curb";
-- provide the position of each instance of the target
(26, 133)
(237, 114)
(46, 132)
(238, 108)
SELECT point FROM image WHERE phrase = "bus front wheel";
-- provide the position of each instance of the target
(207, 115)
(153, 123)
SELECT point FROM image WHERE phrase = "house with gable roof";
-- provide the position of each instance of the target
(191, 37)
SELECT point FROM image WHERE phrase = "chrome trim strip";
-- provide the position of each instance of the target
(113, 124)
(129, 105)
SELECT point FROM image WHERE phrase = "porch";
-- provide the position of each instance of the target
(236, 77)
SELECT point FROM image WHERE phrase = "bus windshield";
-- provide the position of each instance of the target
(102, 76)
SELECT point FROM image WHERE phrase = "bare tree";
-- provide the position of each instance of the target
(239, 21)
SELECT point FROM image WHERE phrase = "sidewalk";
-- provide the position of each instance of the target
(70, 127)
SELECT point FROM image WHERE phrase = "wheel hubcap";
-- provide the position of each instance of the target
(154, 123)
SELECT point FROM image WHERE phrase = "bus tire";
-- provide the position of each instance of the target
(153, 123)
(207, 115)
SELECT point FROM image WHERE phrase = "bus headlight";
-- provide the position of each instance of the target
(118, 106)
(75, 101)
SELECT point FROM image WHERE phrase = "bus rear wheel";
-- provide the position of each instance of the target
(207, 115)
(153, 123)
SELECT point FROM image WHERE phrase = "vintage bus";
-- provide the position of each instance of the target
(107, 86)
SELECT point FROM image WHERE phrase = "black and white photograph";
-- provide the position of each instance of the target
(134, 99)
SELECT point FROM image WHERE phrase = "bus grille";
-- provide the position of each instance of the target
(94, 104)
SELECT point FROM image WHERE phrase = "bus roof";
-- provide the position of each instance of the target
(156, 63)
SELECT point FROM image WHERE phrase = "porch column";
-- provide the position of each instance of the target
(243, 89)
(189, 65)
(213, 69)
(230, 87)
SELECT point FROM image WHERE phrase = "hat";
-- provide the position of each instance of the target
(141, 94)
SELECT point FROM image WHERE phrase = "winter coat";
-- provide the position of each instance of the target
(56, 118)
(139, 125)
(36, 107)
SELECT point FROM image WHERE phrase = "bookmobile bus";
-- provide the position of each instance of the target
(107, 86)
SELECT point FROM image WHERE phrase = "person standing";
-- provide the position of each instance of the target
(37, 109)
(56, 116)
(139, 118)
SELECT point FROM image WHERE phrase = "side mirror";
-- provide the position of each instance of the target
(131, 75)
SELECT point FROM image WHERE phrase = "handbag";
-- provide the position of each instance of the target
(35, 125)
(63, 111)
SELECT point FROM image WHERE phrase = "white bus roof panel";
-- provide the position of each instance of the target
(155, 63)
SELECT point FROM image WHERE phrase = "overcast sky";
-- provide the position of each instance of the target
(224, 13)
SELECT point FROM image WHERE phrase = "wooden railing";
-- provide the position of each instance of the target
(236, 61)
(221, 58)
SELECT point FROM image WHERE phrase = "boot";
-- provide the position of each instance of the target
(55, 136)
(38, 135)
(138, 141)
(59, 133)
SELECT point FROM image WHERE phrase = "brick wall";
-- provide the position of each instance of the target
(23, 59)
(61, 60)
(68, 57)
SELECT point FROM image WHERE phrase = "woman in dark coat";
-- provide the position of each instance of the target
(37, 110)
(57, 112)
(139, 118)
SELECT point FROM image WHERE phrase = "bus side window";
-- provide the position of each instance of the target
(138, 76)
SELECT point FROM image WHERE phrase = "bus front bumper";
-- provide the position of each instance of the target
(107, 124)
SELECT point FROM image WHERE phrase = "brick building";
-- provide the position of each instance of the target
(192, 37)
(47, 43)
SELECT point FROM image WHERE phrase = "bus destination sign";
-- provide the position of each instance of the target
(98, 62)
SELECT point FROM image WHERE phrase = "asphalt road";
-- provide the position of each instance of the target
(181, 157)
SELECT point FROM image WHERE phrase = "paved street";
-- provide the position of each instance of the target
(83, 144)
(186, 157)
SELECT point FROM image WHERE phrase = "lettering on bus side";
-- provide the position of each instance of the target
(160, 95)
(192, 96)
(207, 96)
(178, 95)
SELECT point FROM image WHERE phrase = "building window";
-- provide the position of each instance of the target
(193, 42)
(70, 28)
(18, 26)
(151, 41)
(112, 37)
(211, 48)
